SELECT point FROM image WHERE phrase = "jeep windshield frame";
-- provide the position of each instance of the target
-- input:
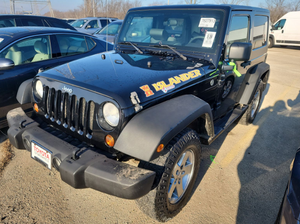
(195, 31)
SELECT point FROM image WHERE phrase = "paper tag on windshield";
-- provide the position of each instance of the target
(209, 39)
(207, 22)
(1, 39)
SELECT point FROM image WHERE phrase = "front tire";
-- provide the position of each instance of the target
(176, 171)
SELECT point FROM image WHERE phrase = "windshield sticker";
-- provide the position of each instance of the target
(165, 87)
(209, 39)
(1, 39)
(207, 22)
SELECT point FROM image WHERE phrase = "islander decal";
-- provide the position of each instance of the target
(173, 80)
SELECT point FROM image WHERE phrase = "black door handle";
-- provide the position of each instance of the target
(282, 31)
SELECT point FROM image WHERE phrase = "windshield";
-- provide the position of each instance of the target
(111, 29)
(196, 30)
(79, 23)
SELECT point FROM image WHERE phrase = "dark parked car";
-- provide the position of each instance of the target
(29, 20)
(289, 212)
(109, 32)
(25, 51)
(179, 77)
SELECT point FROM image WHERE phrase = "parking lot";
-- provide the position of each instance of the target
(242, 179)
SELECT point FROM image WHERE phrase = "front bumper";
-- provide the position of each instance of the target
(81, 167)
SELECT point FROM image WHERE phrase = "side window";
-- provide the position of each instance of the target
(32, 22)
(29, 50)
(92, 24)
(104, 22)
(71, 44)
(279, 25)
(7, 22)
(260, 31)
(239, 29)
(91, 44)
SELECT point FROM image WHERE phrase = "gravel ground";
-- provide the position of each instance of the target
(245, 184)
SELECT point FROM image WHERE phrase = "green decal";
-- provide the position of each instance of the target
(214, 72)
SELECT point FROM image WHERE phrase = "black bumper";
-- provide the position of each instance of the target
(81, 167)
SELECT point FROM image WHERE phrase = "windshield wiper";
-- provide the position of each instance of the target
(167, 46)
(133, 45)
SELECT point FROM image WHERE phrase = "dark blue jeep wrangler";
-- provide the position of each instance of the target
(179, 76)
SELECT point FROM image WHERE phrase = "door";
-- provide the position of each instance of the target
(92, 26)
(278, 31)
(28, 55)
(231, 81)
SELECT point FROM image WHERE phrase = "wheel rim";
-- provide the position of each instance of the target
(255, 103)
(181, 176)
(227, 88)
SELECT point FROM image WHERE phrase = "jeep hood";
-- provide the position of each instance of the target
(119, 76)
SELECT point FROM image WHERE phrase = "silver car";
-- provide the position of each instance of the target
(90, 25)
(109, 32)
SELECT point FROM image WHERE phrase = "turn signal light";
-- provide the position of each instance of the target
(36, 108)
(109, 140)
(160, 148)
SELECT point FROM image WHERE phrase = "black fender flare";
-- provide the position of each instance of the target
(24, 92)
(252, 80)
(159, 124)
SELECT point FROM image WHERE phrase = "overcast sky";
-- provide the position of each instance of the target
(65, 5)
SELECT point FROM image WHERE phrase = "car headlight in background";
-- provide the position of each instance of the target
(108, 116)
(38, 89)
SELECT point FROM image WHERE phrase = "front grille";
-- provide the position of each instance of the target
(69, 111)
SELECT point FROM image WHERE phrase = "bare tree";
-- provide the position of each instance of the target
(233, 2)
(277, 8)
(192, 1)
(102, 8)
(294, 5)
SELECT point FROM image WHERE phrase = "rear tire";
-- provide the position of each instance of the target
(253, 108)
(176, 173)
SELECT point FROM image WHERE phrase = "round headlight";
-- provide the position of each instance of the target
(111, 114)
(39, 89)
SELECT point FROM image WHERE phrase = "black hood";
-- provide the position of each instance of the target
(119, 75)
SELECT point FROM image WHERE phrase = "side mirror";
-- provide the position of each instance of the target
(6, 64)
(272, 27)
(239, 51)
(88, 27)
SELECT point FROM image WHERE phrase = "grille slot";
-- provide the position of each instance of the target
(69, 111)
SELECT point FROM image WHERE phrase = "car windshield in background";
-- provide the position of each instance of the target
(189, 30)
(111, 29)
(79, 23)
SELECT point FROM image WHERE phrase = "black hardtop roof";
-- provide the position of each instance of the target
(34, 16)
(222, 6)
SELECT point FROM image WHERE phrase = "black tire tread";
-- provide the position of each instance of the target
(246, 118)
(154, 204)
